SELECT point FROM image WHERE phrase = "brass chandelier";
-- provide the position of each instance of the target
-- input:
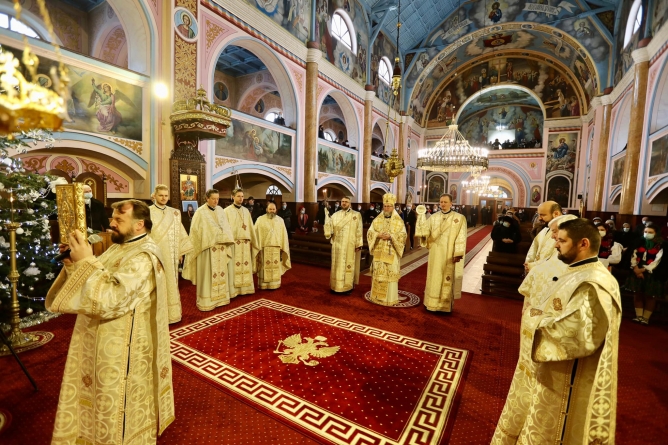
(453, 153)
(477, 185)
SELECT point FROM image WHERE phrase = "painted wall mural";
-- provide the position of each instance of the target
(526, 121)
(535, 195)
(658, 15)
(623, 60)
(560, 166)
(378, 172)
(336, 162)
(293, 15)
(436, 187)
(252, 142)
(411, 177)
(496, 97)
(618, 170)
(186, 24)
(659, 157)
(558, 95)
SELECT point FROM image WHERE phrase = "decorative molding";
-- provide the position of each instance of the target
(190, 5)
(287, 171)
(185, 69)
(322, 175)
(299, 79)
(213, 31)
(652, 180)
(223, 161)
(313, 55)
(136, 146)
(640, 55)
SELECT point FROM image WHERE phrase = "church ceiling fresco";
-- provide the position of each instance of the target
(558, 89)
(497, 97)
(526, 121)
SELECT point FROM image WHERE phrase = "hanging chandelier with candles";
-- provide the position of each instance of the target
(453, 153)
(477, 185)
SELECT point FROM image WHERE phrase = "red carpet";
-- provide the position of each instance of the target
(486, 326)
(379, 386)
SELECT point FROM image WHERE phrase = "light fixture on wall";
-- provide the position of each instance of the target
(453, 153)
(27, 105)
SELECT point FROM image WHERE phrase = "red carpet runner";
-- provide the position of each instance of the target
(378, 388)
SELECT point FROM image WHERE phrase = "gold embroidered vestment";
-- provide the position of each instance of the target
(387, 255)
(344, 229)
(273, 255)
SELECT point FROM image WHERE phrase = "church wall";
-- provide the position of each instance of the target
(225, 90)
(107, 40)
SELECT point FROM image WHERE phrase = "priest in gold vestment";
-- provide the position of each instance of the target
(273, 255)
(564, 390)
(387, 240)
(207, 266)
(117, 385)
(173, 240)
(543, 244)
(244, 249)
(444, 234)
(344, 230)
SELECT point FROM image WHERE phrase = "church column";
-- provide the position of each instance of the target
(366, 153)
(401, 148)
(311, 123)
(630, 180)
(602, 160)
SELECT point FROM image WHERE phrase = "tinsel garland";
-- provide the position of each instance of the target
(32, 320)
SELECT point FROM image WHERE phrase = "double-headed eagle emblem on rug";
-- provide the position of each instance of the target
(296, 351)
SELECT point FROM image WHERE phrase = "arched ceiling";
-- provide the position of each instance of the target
(503, 96)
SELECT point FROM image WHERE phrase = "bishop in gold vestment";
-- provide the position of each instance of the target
(117, 385)
(344, 229)
(244, 249)
(564, 390)
(173, 240)
(387, 240)
(273, 256)
(444, 234)
(207, 266)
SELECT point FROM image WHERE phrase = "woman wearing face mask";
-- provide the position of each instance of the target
(302, 221)
(644, 284)
(506, 235)
(610, 252)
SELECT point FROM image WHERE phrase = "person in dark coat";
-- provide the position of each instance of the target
(474, 216)
(370, 214)
(286, 214)
(410, 217)
(96, 217)
(320, 217)
(506, 236)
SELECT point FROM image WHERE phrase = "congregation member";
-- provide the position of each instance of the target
(643, 282)
(286, 215)
(344, 230)
(302, 222)
(543, 244)
(444, 234)
(117, 385)
(337, 207)
(207, 266)
(241, 266)
(506, 236)
(170, 235)
(370, 214)
(387, 240)
(273, 255)
(610, 252)
(568, 352)
(640, 228)
(411, 219)
(96, 217)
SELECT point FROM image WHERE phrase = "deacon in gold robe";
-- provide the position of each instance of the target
(444, 234)
(543, 244)
(173, 240)
(244, 249)
(564, 389)
(117, 385)
(273, 256)
(541, 277)
(207, 266)
(387, 240)
(344, 229)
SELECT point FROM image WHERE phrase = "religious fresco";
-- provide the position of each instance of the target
(336, 162)
(410, 177)
(496, 97)
(560, 166)
(221, 91)
(526, 121)
(618, 170)
(659, 157)
(535, 195)
(453, 192)
(658, 15)
(185, 23)
(293, 15)
(435, 188)
(559, 190)
(558, 95)
(252, 142)
(378, 172)
(188, 187)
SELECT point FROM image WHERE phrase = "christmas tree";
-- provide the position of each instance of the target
(32, 202)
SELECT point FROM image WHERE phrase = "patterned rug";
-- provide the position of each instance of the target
(406, 299)
(338, 381)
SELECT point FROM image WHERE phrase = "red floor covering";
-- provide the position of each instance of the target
(486, 326)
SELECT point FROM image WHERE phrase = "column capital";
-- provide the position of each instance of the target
(640, 55)
(370, 92)
(313, 55)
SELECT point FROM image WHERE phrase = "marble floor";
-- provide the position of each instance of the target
(473, 270)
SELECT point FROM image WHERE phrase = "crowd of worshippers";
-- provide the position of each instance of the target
(508, 144)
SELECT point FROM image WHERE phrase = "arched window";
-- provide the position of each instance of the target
(329, 136)
(273, 190)
(343, 30)
(271, 116)
(384, 70)
(634, 21)
(12, 24)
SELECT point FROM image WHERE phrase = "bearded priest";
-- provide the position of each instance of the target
(387, 240)
(173, 240)
(344, 229)
(244, 248)
(117, 385)
(273, 255)
(207, 266)
(444, 234)
(567, 371)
